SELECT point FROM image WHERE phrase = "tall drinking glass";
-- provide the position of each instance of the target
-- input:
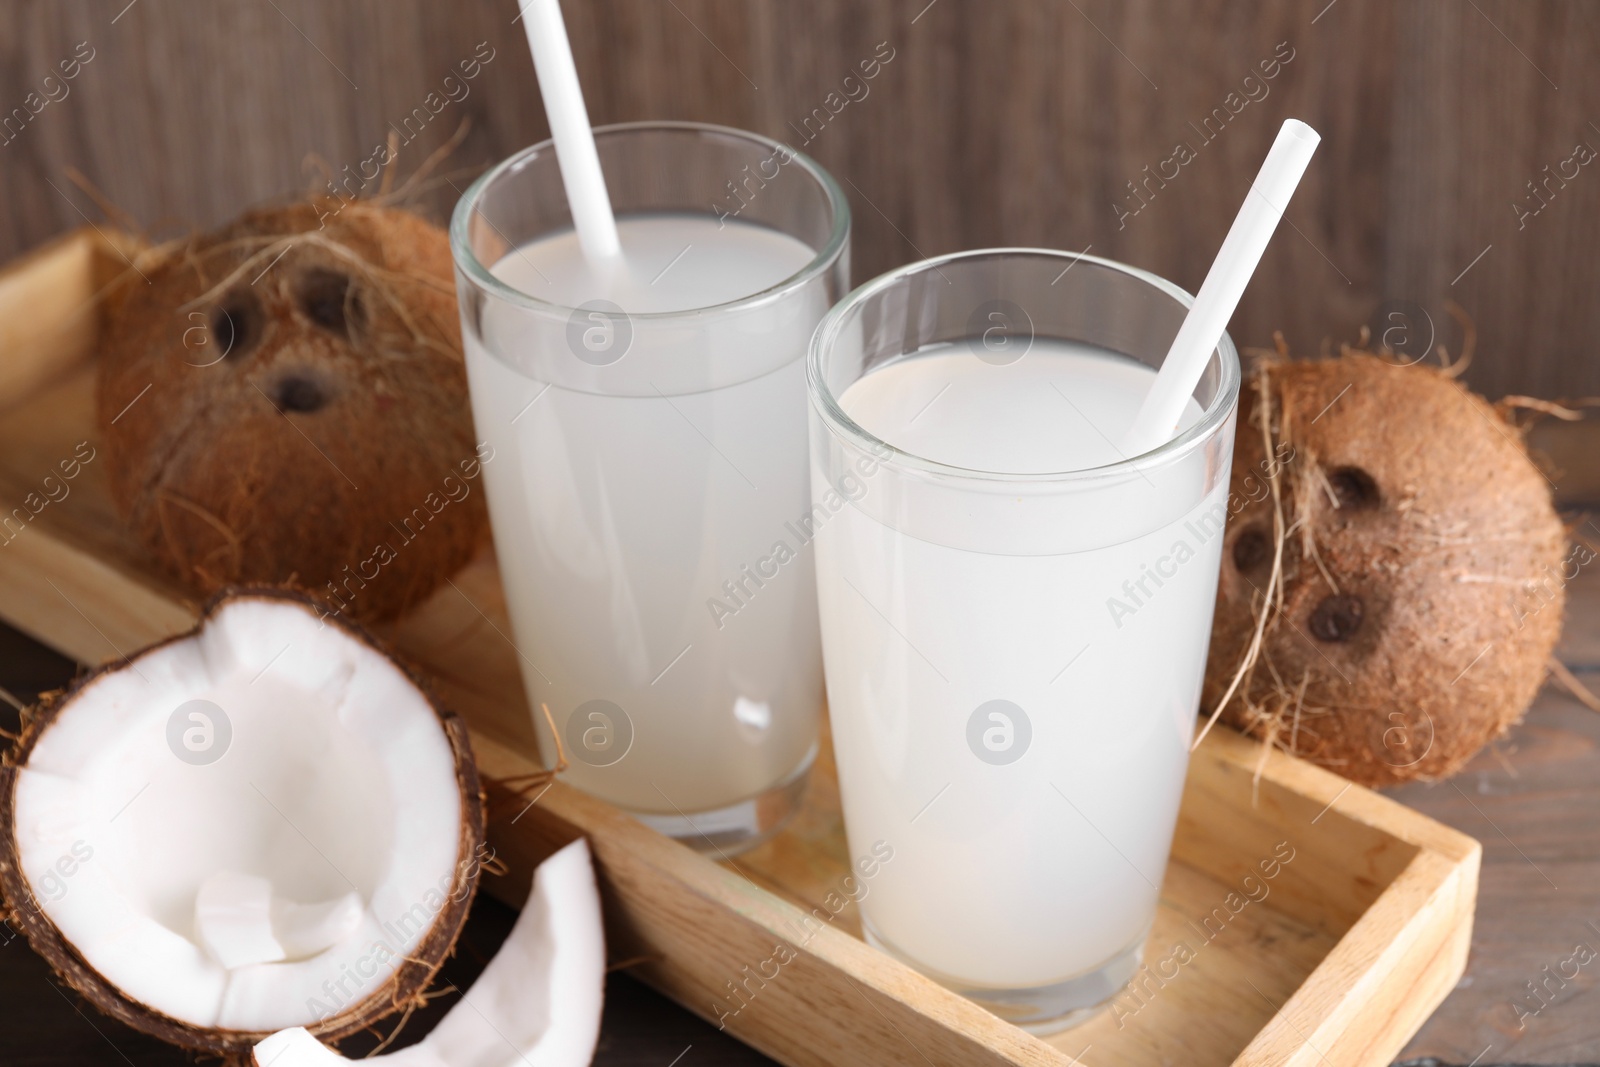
(1015, 614)
(647, 459)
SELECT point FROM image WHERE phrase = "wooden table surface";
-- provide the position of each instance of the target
(1532, 798)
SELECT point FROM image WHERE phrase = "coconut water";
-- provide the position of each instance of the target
(1015, 726)
(662, 607)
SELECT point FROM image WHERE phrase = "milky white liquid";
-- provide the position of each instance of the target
(618, 519)
(1029, 873)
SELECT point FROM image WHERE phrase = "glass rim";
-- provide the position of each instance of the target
(827, 405)
(467, 261)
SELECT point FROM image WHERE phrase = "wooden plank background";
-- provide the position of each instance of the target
(995, 122)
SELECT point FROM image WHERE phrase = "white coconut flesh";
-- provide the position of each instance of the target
(276, 886)
(240, 921)
(537, 1004)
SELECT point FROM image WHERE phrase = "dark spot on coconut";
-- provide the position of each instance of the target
(1337, 618)
(1251, 549)
(331, 301)
(235, 325)
(1354, 488)
(273, 526)
(299, 394)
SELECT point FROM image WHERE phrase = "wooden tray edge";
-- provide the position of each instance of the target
(657, 891)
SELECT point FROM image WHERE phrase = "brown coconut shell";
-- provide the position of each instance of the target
(406, 985)
(286, 400)
(1421, 589)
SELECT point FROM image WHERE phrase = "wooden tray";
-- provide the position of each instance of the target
(1360, 936)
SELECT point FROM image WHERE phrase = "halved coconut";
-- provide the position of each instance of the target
(537, 1004)
(260, 824)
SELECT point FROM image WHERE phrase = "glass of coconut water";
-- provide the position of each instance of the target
(1015, 614)
(648, 480)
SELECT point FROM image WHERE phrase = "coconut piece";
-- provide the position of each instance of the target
(233, 919)
(286, 400)
(240, 922)
(536, 1004)
(306, 929)
(1400, 555)
(161, 820)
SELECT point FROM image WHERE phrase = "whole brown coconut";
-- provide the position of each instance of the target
(1418, 594)
(286, 400)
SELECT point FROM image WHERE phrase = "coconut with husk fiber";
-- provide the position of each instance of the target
(1390, 590)
(285, 400)
(263, 823)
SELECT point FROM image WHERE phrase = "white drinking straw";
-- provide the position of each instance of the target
(569, 127)
(1225, 283)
